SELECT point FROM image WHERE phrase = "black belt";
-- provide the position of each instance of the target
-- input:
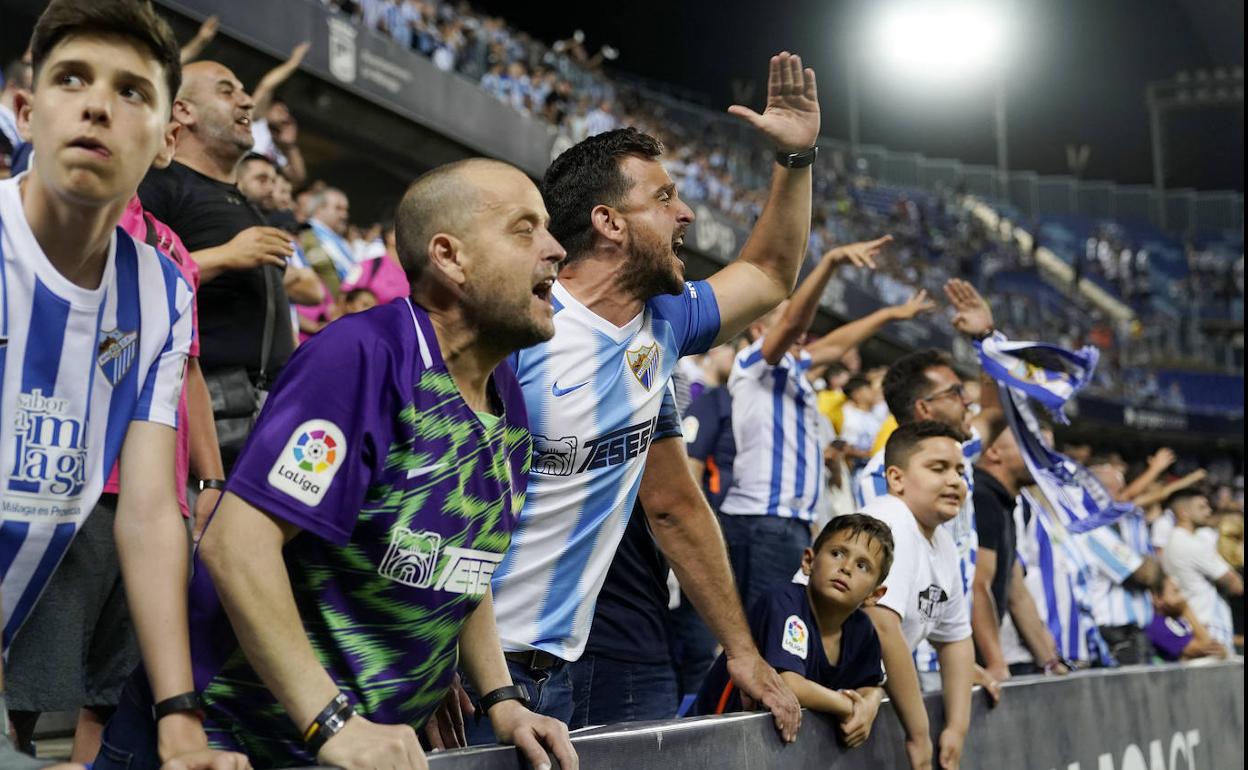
(535, 660)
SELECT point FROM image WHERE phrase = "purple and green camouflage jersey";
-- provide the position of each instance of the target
(407, 499)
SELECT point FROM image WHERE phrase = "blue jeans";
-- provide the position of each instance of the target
(129, 739)
(608, 691)
(764, 551)
(550, 694)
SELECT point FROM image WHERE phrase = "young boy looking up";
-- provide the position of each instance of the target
(816, 635)
(924, 597)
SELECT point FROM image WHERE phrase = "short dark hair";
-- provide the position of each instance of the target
(906, 381)
(255, 157)
(1099, 459)
(134, 19)
(1185, 494)
(861, 524)
(904, 441)
(854, 383)
(588, 174)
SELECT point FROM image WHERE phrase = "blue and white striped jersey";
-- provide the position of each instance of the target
(593, 394)
(780, 436)
(76, 367)
(1113, 559)
(1059, 579)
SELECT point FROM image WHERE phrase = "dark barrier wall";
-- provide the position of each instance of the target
(1153, 718)
(374, 67)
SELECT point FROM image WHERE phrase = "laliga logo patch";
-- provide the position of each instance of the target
(644, 362)
(115, 353)
(309, 461)
(796, 639)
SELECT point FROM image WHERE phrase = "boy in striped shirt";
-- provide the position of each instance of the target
(94, 336)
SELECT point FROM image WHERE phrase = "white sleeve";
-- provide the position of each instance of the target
(900, 581)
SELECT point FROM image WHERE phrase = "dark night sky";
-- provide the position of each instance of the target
(1077, 75)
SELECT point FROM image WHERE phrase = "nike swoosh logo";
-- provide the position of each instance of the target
(558, 391)
(425, 470)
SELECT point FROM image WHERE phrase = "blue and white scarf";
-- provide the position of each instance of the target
(1078, 496)
(335, 246)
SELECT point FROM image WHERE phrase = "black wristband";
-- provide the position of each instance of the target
(513, 692)
(328, 723)
(187, 701)
(797, 159)
(217, 484)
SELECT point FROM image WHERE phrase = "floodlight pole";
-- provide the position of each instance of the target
(1000, 125)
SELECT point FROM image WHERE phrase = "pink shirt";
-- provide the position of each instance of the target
(382, 276)
(170, 246)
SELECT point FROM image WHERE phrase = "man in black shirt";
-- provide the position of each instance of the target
(244, 311)
(999, 475)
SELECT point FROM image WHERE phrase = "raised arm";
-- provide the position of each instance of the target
(1158, 462)
(766, 270)
(973, 318)
(203, 36)
(795, 321)
(262, 96)
(836, 343)
(1149, 498)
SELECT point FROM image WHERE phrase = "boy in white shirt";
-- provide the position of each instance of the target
(924, 597)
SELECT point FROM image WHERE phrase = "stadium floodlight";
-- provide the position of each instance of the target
(946, 40)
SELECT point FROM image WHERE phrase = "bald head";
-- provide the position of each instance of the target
(215, 112)
(450, 199)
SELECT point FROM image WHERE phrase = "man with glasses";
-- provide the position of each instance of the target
(924, 386)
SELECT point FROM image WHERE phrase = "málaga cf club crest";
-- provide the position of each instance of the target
(115, 353)
(644, 363)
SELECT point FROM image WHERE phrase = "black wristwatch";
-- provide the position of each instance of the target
(797, 159)
(217, 484)
(187, 701)
(495, 697)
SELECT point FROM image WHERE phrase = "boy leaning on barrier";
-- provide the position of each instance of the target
(817, 635)
(924, 599)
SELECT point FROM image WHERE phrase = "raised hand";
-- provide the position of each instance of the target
(917, 305)
(1161, 459)
(207, 30)
(861, 254)
(791, 118)
(974, 317)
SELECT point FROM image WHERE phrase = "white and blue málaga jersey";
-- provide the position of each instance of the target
(593, 394)
(76, 367)
(778, 470)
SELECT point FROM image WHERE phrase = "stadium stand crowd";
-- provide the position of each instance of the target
(337, 410)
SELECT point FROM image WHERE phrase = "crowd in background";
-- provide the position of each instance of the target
(288, 261)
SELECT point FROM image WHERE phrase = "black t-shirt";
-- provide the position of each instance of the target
(207, 213)
(630, 619)
(783, 625)
(708, 431)
(994, 524)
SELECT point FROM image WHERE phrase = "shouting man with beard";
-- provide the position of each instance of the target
(349, 560)
(624, 315)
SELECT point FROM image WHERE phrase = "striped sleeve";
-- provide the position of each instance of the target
(1109, 555)
(162, 388)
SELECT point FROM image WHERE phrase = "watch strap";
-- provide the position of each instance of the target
(328, 723)
(797, 159)
(187, 701)
(511, 692)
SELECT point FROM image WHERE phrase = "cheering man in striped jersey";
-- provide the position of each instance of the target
(94, 336)
(624, 316)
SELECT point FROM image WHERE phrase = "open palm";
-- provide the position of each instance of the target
(791, 118)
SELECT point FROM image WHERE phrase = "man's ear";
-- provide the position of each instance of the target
(183, 112)
(446, 255)
(922, 411)
(165, 156)
(875, 596)
(608, 223)
(23, 101)
(896, 478)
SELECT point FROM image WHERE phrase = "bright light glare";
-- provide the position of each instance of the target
(942, 40)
